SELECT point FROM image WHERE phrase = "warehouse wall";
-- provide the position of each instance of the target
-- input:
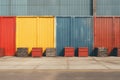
(108, 7)
(46, 7)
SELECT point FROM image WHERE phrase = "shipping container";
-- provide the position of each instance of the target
(62, 34)
(117, 31)
(35, 32)
(74, 32)
(7, 35)
(45, 32)
(26, 32)
(104, 33)
(108, 7)
(81, 33)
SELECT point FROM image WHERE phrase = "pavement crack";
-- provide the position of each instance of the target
(101, 63)
(68, 63)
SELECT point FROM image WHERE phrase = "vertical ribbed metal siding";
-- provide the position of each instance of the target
(63, 34)
(76, 7)
(117, 32)
(5, 7)
(43, 7)
(108, 7)
(45, 32)
(82, 33)
(7, 35)
(46, 7)
(104, 33)
(75, 32)
(19, 7)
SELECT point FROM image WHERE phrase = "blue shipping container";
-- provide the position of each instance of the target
(63, 34)
(74, 32)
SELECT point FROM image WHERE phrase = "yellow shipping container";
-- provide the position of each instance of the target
(26, 32)
(45, 32)
(35, 32)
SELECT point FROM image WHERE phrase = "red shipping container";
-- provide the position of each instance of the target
(7, 35)
(83, 52)
(117, 31)
(118, 52)
(69, 52)
(2, 53)
(37, 52)
(104, 33)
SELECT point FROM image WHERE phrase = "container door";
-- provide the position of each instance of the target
(63, 34)
(7, 35)
(45, 32)
(26, 32)
(81, 34)
(104, 30)
(117, 32)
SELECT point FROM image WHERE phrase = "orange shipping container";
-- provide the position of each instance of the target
(117, 32)
(107, 32)
(103, 33)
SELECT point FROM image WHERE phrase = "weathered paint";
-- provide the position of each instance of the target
(45, 32)
(82, 33)
(104, 33)
(26, 32)
(74, 32)
(63, 34)
(7, 35)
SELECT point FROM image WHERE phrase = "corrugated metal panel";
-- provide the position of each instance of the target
(46, 7)
(4, 2)
(26, 32)
(19, 7)
(74, 32)
(4, 10)
(75, 7)
(19, 10)
(19, 2)
(60, 7)
(63, 34)
(5, 7)
(103, 30)
(45, 32)
(108, 7)
(82, 33)
(7, 35)
(117, 31)
(43, 7)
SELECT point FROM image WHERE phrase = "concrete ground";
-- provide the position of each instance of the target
(62, 63)
(58, 75)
